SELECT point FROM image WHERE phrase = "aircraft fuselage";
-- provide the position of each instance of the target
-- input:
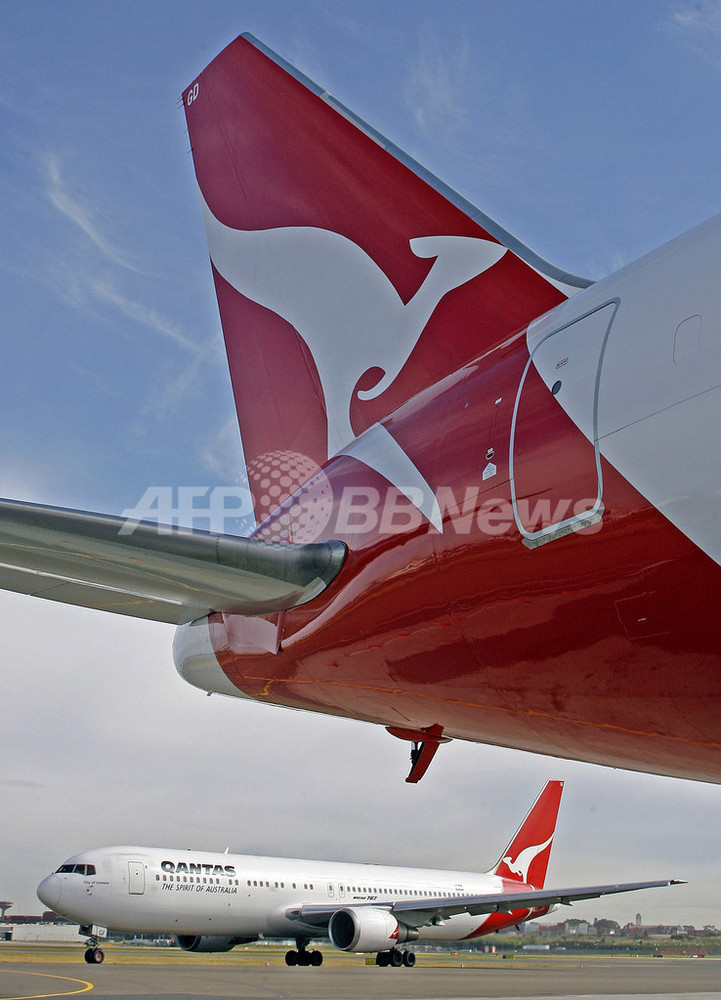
(569, 605)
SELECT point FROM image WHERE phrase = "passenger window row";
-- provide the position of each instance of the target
(197, 879)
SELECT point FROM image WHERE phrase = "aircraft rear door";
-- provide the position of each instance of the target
(556, 482)
(136, 878)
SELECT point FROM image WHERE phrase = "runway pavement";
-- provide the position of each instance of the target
(662, 979)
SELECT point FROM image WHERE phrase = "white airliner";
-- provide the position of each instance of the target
(212, 902)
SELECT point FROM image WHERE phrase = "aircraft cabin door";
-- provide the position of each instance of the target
(136, 878)
(555, 465)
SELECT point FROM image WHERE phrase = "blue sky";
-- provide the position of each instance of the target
(589, 130)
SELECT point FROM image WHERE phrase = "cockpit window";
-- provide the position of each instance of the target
(76, 869)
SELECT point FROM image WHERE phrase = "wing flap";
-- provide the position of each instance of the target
(161, 572)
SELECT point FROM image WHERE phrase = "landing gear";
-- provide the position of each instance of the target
(303, 957)
(94, 955)
(395, 958)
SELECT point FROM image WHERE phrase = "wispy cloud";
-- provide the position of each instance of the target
(97, 276)
(29, 482)
(351, 20)
(19, 783)
(100, 265)
(702, 17)
(170, 400)
(700, 26)
(222, 454)
(145, 315)
(81, 215)
(436, 88)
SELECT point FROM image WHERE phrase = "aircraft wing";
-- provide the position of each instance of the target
(418, 912)
(161, 572)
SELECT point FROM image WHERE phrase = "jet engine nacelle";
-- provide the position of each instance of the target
(209, 942)
(367, 928)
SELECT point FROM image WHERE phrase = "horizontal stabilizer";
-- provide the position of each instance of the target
(161, 572)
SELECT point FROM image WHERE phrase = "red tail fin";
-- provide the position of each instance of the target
(526, 857)
(348, 278)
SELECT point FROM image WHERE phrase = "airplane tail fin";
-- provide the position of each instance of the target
(526, 857)
(348, 277)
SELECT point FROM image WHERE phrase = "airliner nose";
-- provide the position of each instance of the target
(49, 891)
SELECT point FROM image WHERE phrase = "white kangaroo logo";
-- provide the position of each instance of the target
(524, 859)
(340, 302)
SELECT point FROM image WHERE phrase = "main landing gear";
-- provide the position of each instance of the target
(395, 958)
(303, 957)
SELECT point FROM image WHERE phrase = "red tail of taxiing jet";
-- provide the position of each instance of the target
(334, 256)
(526, 857)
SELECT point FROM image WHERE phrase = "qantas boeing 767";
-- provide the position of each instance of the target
(486, 490)
(212, 902)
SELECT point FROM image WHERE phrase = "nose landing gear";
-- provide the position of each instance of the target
(94, 954)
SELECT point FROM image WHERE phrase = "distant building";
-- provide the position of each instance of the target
(580, 927)
(31, 927)
(40, 931)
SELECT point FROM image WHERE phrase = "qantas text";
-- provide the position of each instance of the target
(193, 868)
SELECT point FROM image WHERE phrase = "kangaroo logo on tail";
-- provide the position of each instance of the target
(341, 303)
(525, 859)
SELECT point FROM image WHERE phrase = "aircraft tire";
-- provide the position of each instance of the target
(303, 957)
(383, 959)
(396, 958)
(89, 956)
(291, 957)
(316, 958)
(409, 959)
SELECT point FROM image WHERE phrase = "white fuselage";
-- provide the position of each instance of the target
(136, 889)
